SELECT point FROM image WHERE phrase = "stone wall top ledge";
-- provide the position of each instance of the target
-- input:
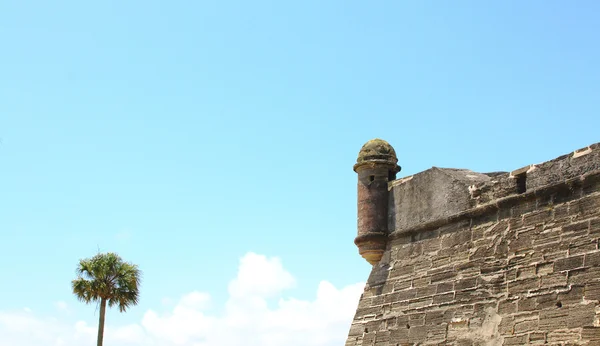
(438, 196)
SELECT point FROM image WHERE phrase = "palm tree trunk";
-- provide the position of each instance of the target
(101, 323)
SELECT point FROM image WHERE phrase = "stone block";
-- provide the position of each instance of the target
(581, 316)
(390, 298)
(575, 228)
(493, 267)
(420, 302)
(544, 268)
(515, 340)
(377, 300)
(526, 304)
(592, 291)
(382, 338)
(523, 286)
(555, 255)
(422, 264)
(554, 280)
(410, 250)
(590, 186)
(465, 283)
(356, 329)
(586, 206)
(590, 334)
(582, 246)
(431, 245)
(506, 325)
(371, 310)
(436, 334)
(401, 271)
(457, 238)
(568, 263)
(546, 301)
(443, 298)
(482, 250)
(420, 282)
(548, 239)
(526, 206)
(573, 296)
(553, 319)
(526, 326)
(443, 276)
(417, 334)
(559, 337)
(426, 291)
(407, 294)
(469, 265)
(507, 307)
(445, 261)
(437, 317)
(526, 272)
(584, 275)
(537, 337)
(399, 336)
(595, 227)
(561, 211)
(368, 339)
(592, 259)
(444, 287)
(402, 284)
(537, 217)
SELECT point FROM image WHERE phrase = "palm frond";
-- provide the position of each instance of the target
(84, 290)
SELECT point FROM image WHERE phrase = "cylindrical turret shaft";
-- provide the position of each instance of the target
(376, 166)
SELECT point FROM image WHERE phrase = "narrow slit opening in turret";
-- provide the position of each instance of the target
(371, 178)
(521, 183)
(391, 175)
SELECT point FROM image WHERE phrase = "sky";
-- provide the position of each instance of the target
(212, 144)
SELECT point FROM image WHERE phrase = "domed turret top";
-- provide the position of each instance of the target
(377, 151)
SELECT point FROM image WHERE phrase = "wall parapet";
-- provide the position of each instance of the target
(536, 176)
(440, 195)
(504, 203)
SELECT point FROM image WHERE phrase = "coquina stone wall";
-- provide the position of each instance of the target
(488, 259)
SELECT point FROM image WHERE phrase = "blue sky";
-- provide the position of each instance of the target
(184, 135)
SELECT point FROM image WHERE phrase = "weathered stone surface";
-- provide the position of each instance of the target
(472, 259)
(431, 195)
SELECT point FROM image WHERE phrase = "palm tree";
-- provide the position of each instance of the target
(106, 278)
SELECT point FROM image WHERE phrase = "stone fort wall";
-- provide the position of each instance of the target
(479, 259)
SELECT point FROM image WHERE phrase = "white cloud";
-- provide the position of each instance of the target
(246, 319)
(261, 277)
